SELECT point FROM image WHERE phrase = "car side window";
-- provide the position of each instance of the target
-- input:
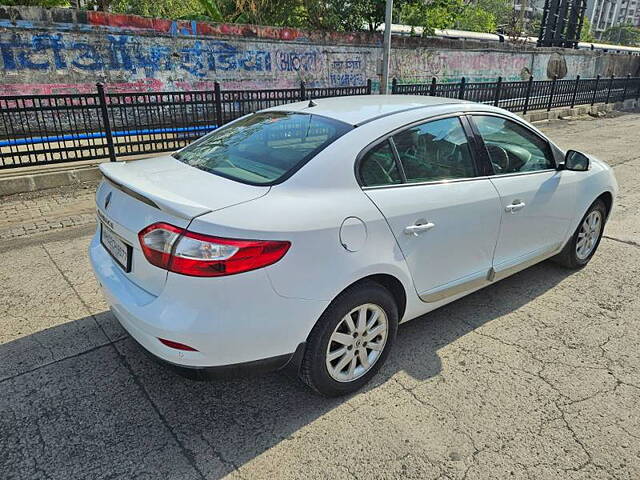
(436, 150)
(378, 167)
(513, 148)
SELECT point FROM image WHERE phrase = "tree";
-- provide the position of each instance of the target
(585, 34)
(500, 9)
(622, 35)
(36, 3)
(476, 19)
(344, 15)
(478, 16)
(157, 8)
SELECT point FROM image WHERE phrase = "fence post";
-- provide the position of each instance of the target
(102, 98)
(218, 100)
(496, 100)
(394, 85)
(575, 92)
(595, 90)
(303, 92)
(609, 89)
(526, 100)
(626, 85)
(461, 91)
(553, 90)
(432, 88)
(369, 86)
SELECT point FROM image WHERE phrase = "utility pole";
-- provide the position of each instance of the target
(386, 48)
(523, 13)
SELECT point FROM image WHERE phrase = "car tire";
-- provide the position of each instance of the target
(572, 256)
(320, 370)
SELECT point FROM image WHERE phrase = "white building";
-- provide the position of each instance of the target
(605, 14)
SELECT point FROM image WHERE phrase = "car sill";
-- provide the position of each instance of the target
(493, 275)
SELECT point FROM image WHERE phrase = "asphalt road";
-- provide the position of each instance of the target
(537, 376)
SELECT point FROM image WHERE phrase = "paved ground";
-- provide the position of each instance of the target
(535, 377)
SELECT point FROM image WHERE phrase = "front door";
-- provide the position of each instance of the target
(444, 217)
(537, 200)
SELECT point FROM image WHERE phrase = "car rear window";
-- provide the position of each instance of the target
(264, 148)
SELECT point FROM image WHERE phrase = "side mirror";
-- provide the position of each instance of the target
(576, 161)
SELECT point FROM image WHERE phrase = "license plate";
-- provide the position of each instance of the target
(117, 248)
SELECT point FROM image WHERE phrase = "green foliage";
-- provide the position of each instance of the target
(330, 15)
(157, 8)
(478, 16)
(622, 35)
(502, 10)
(342, 15)
(36, 3)
(585, 34)
(476, 19)
(268, 12)
(211, 10)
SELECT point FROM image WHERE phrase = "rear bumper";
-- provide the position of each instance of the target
(290, 362)
(237, 324)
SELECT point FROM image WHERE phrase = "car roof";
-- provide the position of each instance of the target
(359, 109)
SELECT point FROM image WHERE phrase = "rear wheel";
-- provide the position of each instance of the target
(351, 340)
(584, 243)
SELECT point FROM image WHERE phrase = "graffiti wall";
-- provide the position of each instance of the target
(59, 62)
(59, 51)
(423, 64)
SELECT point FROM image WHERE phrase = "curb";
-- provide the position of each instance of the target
(22, 182)
(31, 179)
(599, 109)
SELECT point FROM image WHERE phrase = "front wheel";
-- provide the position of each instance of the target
(351, 340)
(582, 246)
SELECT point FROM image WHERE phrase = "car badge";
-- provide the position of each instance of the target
(107, 200)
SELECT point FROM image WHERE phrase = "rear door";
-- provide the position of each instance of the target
(443, 212)
(537, 200)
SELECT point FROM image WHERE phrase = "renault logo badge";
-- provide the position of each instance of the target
(107, 200)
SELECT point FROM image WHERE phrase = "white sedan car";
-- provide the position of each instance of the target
(302, 235)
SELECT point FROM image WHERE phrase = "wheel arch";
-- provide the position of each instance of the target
(391, 283)
(386, 280)
(607, 198)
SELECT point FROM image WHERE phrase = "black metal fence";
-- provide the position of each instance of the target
(532, 94)
(46, 129)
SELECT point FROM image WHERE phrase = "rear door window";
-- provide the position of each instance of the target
(436, 150)
(264, 148)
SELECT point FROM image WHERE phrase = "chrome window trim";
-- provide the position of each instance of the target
(517, 174)
(432, 182)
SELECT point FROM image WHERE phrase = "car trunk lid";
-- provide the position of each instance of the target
(137, 194)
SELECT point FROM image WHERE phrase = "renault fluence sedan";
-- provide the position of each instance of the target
(302, 235)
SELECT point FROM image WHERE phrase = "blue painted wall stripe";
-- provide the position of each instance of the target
(87, 136)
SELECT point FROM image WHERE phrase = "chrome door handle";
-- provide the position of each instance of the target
(515, 206)
(418, 229)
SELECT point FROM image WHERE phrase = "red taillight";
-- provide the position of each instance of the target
(188, 253)
(177, 345)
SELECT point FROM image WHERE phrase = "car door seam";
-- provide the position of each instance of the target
(500, 211)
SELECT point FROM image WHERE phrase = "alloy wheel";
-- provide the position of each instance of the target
(589, 234)
(357, 342)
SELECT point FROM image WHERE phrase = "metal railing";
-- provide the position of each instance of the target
(47, 129)
(531, 94)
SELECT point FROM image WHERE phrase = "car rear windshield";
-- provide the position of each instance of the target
(264, 148)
